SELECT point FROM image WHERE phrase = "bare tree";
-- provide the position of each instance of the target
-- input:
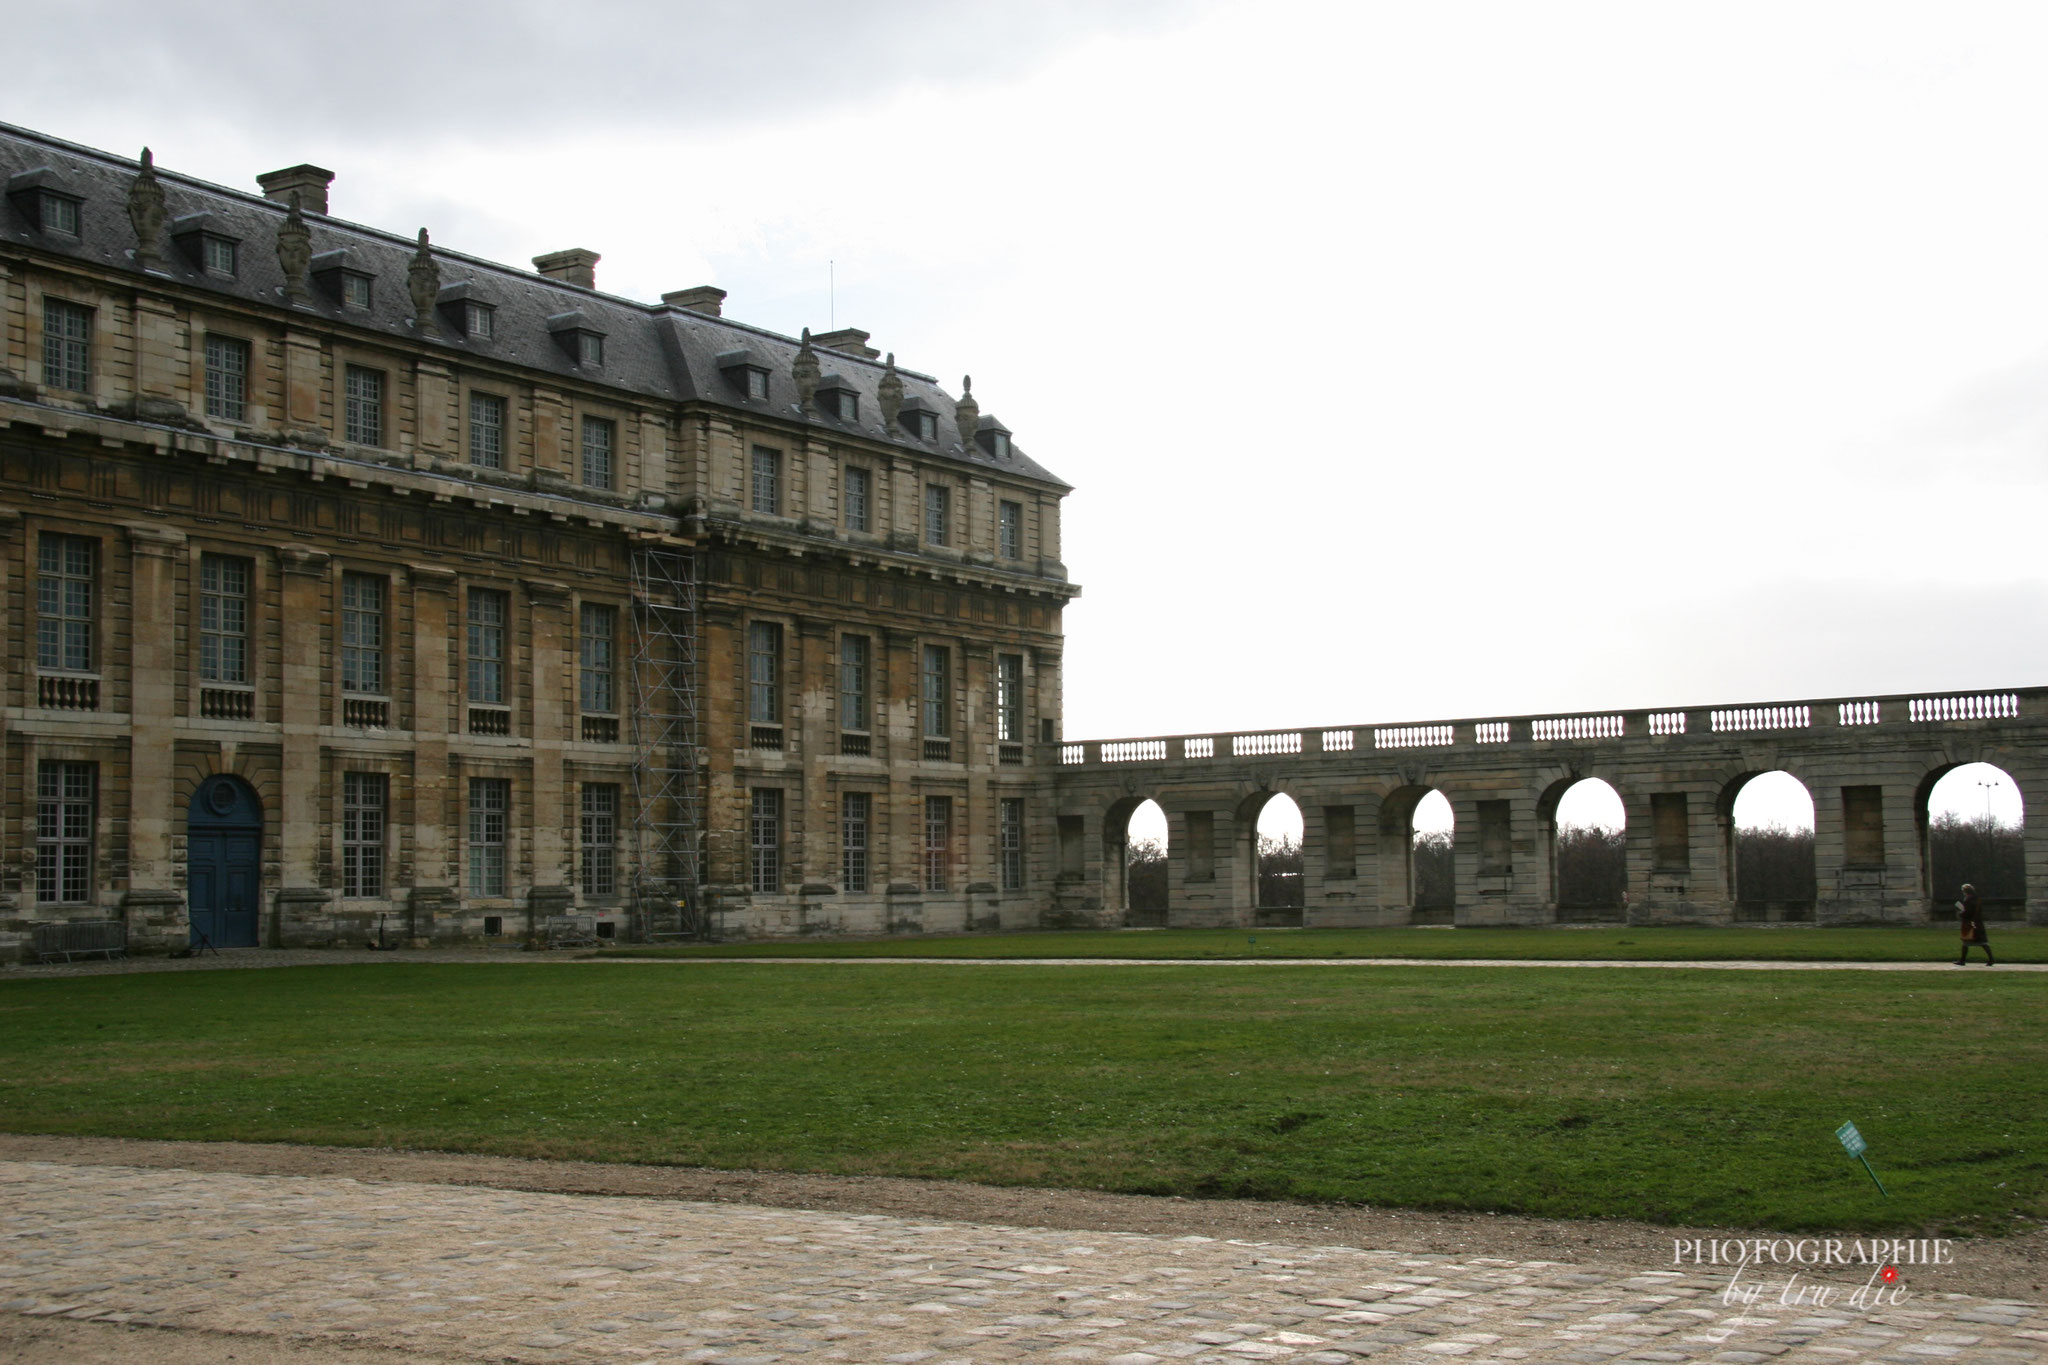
(1431, 854)
(1280, 873)
(1979, 850)
(1145, 880)
(1774, 863)
(1592, 865)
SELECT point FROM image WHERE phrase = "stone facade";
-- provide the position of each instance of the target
(316, 587)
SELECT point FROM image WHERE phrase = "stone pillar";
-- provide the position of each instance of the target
(438, 427)
(896, 728)
(305, 708)
(814, 736)
(152, 690)
(553, 712)
(428, 711)
(22, 780)
(161, 351)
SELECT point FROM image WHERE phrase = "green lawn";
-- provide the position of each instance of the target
(1706, 1097)
(1929, 943)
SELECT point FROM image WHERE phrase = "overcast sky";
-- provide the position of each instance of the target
(1410, 361)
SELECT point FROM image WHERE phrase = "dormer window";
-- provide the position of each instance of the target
(42, 199)
(838, 398)
(918, 418)
(206, 243)
(579, 337)
(993, 437)
(466, 310)
(340, 275)
(745, 372)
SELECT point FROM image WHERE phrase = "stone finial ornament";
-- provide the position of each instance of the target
(967, 410)
(146, 212)
(423, 282)
(806, 372)
(889, 393)
(294, 251)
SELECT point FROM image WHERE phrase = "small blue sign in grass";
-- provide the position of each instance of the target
(1854, 1145)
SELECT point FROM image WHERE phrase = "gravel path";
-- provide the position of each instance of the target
(274, 1267)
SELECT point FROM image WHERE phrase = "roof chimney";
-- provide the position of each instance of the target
(704, 298)
(577, 266)
(846, 341)
(308, 182)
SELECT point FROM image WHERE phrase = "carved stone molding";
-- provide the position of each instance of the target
(302, 559)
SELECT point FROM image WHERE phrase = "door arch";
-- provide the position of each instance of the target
(223, 862)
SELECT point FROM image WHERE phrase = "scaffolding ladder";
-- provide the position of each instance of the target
(667, 885)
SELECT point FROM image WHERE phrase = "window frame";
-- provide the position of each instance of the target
(219, 255)
(764, 481)
(490, 837)
(1010, 529)
(935, 692)
(217, 604)
(938, 514)
(69, 328)
(365, 857)
(597, 859)
(856, 839)
(590, 453)
(481, 663)
(856, 676)
(859, 499)
(1010, 698)
(597, 659)
(479, 319)
(938, 843)
(222, 405)
(363, 411)
(66, 830)
(358, 290)
(353, 617)
(764, 840)
(764, 672)
(67, 604)
(1010, 843)
(68, 211)
(481, 400)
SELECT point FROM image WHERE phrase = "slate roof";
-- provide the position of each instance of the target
(654, 350)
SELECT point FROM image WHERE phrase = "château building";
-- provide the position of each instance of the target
(347, 580)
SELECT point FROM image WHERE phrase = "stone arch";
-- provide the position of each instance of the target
(1780, 887)
(2003, 883)
(1570, 901)
(1274, 893)
(1116, 836)
(1398, 882)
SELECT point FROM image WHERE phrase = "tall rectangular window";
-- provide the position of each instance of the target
(64, 590)
(938, 842)
(362, 633)
(938, 513)
(766, 488)
(487, 431)
(362, 833)
(764, 673)
(938, 690)
(1010, 698)
(600, 866)
(488, 612)
(490, 802)
(1010, 530)
(65, 803)
(67, 346)
(1010, 842)
(853, 682)
(597, 643)
(765, 838)
(362, 406)
(600, 436)
(227, 378)
(223, 619)
(859, 495)
(855, 809)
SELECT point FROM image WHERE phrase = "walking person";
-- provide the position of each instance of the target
(1970, 916)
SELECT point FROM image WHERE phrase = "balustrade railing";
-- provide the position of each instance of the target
(1695, 724)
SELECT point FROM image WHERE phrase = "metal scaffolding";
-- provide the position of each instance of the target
(667, 885)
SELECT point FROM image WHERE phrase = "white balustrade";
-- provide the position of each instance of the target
(1134, 751)
(1860, 713)
(1577, 727)
(2001, 707)
(1203, 746)
(1073, 753)
(1491, 732)
(1242, 746)
(1411, 736)
(1337, 741)
(1667, 722)
(1764, 718)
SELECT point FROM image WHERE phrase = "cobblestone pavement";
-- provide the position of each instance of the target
(499, 1275)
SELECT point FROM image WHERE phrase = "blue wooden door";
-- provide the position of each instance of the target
(223, 863)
